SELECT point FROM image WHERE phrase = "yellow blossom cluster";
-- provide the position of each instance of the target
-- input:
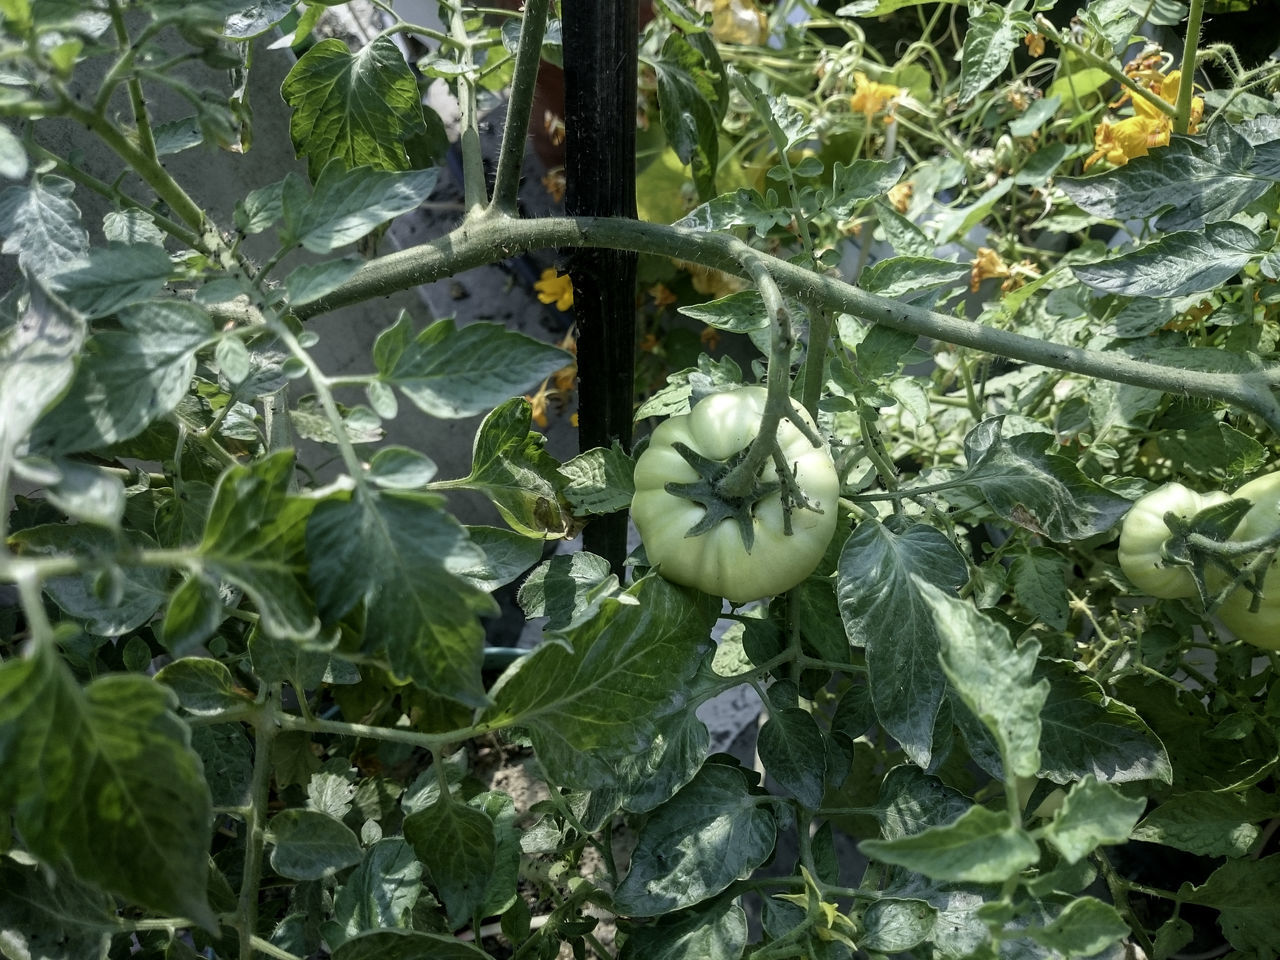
(1123, 140)
(554, 287)
(871, 97)
(558, 387)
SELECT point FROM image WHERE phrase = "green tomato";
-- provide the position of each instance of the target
(1262, 628)
(1144, 534)
(749, 554)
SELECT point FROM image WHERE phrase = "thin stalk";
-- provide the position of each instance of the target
(473, 179)
(255, 821)
(1106, 66)
(1182, 118)
(114, 194)
(148, 168)
(427, 741)
(146, 141)
(475, 244)
(516, 132)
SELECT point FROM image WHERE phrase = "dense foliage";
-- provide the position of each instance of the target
(1017, 261)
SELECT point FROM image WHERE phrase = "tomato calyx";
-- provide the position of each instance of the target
(708, 492)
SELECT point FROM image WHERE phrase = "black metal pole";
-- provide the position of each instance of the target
(600, 57)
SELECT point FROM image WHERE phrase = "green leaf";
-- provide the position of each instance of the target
(1084, 929)
(1093, 814)
(717, 929)
(261, 208)
(450, 372)
(457, 844)
(1039, 579)
(910, 278)
(981, 846)
(345, 205)
(1085, 732)
(1175, 265)
(309, 845)
(128, 378)
(47, 916)
(596, 697)
(105, 779)
(566, 589)
(1244, 893)
(394, 552)
(378, 894)
(857, 181)
(13, 155)
(1034, 117)
(407, 945)
(401, 468)
(742, 207)
(138, 591)
(40, 223)
(1041, 492)
(195, 611)
(311, 281)
(989, 41)
(251, 20)
(991, 676)
(359, 108)
(204, 686)
(892, 926)
(507, 554)
(599, 481)
(227, 757)
(1208, 824)
(254, 539)
(1193, 180)
(114, 276)
(86, 492)
(500, 892)
(878, 8)
(689, 103)
(884, 611)
(740, 312)
(38, 356)
(696, 844)
(792, 750)
(912, 801)
(311, 421)
(511, 468)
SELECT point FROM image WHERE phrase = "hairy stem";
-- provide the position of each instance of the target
(1182, 119)
(516, 132)
(475, 243)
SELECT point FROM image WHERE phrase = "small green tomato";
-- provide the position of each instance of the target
(1261, 627)
(733, 548)
(1144, 534)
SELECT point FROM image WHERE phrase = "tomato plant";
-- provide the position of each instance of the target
(944, 289)
(746, 546)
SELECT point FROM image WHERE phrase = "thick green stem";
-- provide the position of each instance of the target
(1182, 119)
(476, 243)
(515, 133)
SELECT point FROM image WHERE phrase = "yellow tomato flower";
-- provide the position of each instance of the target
(1035, 44)
(1120, 142)
(986, 264)
(900, 196)
(555, 288)
(870, 97)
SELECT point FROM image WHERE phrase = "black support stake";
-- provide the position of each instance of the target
(600, 57)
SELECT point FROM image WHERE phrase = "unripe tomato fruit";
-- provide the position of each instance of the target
(719, 561)
(1262, 628)
(1144, 534)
